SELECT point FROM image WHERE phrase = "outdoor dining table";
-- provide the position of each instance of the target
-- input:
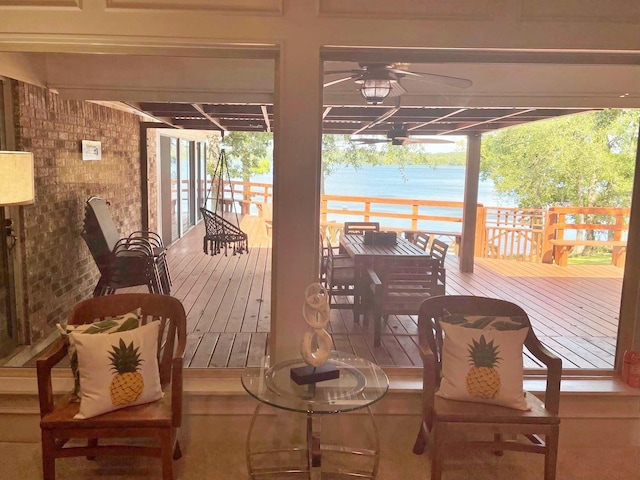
(370, 256)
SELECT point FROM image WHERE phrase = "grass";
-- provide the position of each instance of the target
(592, 259)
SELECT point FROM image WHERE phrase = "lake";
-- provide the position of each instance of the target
(418, 182)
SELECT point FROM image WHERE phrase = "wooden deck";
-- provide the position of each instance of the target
(574, 309)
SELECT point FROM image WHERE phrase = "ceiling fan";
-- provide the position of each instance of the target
(381, 80)
(398, 135)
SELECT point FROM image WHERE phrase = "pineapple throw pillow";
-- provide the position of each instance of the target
(117, 369)
(119, 323)
(482, 359)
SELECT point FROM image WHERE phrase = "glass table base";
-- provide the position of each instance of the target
(314, 460)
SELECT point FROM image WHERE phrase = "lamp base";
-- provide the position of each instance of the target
(310, 374)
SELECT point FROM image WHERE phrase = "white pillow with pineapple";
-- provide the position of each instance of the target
(119, 323)
(482, 359)
(117, 369)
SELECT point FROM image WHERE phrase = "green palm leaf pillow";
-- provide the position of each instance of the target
(120, 323)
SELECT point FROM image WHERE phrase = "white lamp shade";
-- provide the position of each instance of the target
(16, 178)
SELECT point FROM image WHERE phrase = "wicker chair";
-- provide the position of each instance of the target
(221, 233)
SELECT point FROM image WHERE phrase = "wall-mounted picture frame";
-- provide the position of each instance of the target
(91, 150)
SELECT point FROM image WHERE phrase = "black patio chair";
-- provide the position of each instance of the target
(139, 259)
(221, 233)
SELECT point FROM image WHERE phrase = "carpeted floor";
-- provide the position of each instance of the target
(216, 450)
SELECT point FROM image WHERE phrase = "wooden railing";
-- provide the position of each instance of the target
(530, 235)
(587, 227)
(510, 233)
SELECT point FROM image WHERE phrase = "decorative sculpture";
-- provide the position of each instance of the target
(316, 344)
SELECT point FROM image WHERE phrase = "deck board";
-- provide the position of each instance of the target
(573, 309)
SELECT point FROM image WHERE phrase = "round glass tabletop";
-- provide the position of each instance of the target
(360, 384)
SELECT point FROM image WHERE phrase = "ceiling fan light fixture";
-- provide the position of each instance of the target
(375, 90)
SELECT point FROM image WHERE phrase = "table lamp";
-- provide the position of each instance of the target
(16, 182)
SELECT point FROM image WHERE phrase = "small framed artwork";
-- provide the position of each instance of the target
(91, 150)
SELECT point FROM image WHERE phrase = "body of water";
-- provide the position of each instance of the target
(413, 182)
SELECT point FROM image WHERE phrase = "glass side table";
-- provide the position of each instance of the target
(361, 383)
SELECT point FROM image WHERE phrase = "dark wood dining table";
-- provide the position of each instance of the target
(371, 256)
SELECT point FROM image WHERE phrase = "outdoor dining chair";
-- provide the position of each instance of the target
(340, 278)
(398, 286)
(439, 250)
(421, 239)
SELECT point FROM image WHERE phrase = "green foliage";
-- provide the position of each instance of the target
(579, 160)
(248, 153)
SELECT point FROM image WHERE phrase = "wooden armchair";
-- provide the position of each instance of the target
(538, 428)
(359, 228)
(399, 286)
(158, 420)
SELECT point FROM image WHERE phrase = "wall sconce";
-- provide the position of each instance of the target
(16, 182)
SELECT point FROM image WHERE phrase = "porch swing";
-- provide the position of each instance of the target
(220, 232)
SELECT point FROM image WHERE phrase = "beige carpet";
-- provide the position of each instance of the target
(215, 449)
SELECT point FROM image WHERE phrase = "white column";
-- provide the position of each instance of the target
(298, 128)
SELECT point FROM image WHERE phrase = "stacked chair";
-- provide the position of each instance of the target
(139, 259)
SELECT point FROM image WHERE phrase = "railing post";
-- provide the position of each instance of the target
(367, 211)
(414, 216)
(618, 254)
(480, 247)
(550, 219)
(323, 209)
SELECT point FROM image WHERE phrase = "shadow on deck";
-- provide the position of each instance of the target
(573, 309)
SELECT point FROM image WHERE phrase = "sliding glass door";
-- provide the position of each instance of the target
(183, 184)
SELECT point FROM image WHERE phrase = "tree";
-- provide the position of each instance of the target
(248, 153)
(579, 160)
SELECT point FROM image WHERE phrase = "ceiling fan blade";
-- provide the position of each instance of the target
(423, 140)
(350, 72)
(369, 141)
(442, 80)
(397, 90)
(401, 72)
(340, 80)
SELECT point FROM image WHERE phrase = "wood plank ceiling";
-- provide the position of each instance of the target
(350, 120)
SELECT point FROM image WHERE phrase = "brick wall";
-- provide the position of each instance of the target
(152, 166)
(59, 270)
